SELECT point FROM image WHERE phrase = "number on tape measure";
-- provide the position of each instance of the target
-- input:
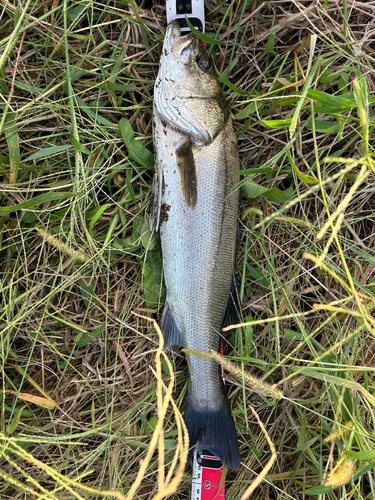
(207, 470)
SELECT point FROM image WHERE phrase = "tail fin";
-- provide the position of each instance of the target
(213, 431)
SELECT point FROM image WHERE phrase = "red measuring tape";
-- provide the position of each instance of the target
(207, 471)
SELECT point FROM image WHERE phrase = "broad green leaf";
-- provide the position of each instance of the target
(339, 381)
(326, 377)
(255, 170)
(77, 74)
(307, 85)
(361, 455)
(251, 360)
(263, 19)
(76, 11)
(71, 325)
(152, 283)
(365, 255)
(165, 367)
(331, 102)
(322, 126)
(46, 152)
(328, 76)
(94, 116)
(292, 335)
(29, 217)
(301, 176)
(148, 236)
(4, 160)
(16, 18)
(15, 420)
(278, 196)
(87, 291)
(364, 90)
(201, 36)
(135, 238)
(361, 97)
(120, 87)
(270, 42)
(25, 445)
(319, 490)
(153, 422)
(267, 108)
(327, 110)
(115, 71)
(344, 81)
(277, 123)
(11, 134)
(88, 337)
(229, 84)
(258, 275)
(286, 101)
(252, 190)
(136, 149)
(29, 88)
(249, 110)
(37, 200)
(96, 214)
(363, 471)
(78, 146)
(77, 37)
(304, 177)
(146, 43)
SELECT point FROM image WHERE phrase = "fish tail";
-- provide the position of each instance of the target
(214, 431)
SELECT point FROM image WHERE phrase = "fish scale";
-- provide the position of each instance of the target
(197, 216)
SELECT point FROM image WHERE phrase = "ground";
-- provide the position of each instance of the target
(79, 400)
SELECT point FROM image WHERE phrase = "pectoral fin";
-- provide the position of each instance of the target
(188, 175)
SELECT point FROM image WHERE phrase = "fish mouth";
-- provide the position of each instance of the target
(174, 42)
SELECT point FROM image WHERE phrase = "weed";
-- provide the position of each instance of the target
(87, 408)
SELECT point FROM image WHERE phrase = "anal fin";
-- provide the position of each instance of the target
(171, 333)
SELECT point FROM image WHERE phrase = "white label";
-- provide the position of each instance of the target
(196, 8)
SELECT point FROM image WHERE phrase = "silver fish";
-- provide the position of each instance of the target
(196, 210)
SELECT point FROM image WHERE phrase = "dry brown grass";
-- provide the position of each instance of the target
(67, 329)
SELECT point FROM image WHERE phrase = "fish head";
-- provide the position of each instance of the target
(187, 94)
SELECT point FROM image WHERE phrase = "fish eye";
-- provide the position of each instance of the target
(203, 62)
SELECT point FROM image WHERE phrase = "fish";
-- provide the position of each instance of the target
(195, 207)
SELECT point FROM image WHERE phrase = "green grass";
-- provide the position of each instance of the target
(77, 257)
